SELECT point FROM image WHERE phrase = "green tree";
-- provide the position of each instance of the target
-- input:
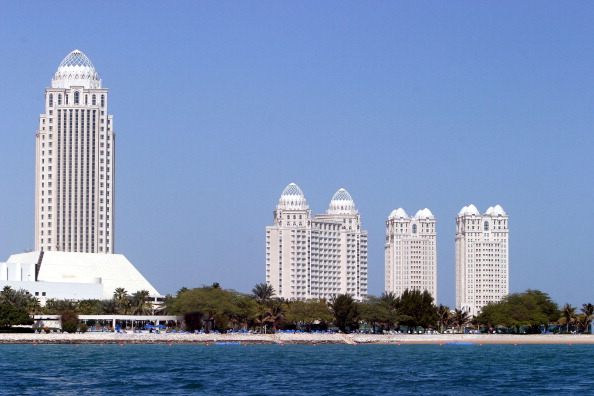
(375, 312)
(416, 308)
(460, 318)
(123, 301)
(140, 304)
(214, 304)
(69, 321)
(13, 316)
(531, 308)
(443, 317)
(21, 299)
(245, 310)
(306, 313)
(568, 315)
(262, 293)
(89, 307)
(345, 312)
(587, 314)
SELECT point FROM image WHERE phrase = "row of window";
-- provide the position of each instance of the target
(76, 98)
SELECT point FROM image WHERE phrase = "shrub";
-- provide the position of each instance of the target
(83, 327)
(69, 327)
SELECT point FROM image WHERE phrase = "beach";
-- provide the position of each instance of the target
(291, 338)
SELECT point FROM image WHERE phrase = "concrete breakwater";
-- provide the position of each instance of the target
(290, 338)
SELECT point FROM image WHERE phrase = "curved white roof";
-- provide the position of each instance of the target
(110, 270)
(489, 211)
(398, 214)
(498, 211)
(76, 70)
(469, 210)
(292, 198)
(424, 214)
(342, 203)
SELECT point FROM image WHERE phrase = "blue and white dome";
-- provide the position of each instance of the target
(76, 69)
(292, 198)
(342, 203)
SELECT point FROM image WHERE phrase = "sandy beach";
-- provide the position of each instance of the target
(288, 339)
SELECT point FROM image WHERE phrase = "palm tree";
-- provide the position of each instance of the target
(263, 292)
(140, 305)
(568, 315)
(443, 312)
(275, 313)
(120, 295)
(460, 318)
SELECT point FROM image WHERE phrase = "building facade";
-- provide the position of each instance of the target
(317, 257)
(482, 258)
(75, 146)
(411, 252)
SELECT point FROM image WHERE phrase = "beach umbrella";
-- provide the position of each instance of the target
(149, 326)
(162, 326)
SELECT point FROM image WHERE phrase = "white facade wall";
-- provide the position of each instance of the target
(315, 258)
(75, 147)
(411, 253)
(482, 258)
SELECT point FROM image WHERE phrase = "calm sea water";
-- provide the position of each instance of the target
(296, 369)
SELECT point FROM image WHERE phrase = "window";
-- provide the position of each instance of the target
(94, 100)
(486, 226)
(102, 100)
(76, 97)
(51, 100)
(414, 228)
(59, 99)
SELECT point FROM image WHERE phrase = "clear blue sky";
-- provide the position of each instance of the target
(219, 105)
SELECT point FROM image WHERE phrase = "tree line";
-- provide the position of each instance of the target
(214, 308)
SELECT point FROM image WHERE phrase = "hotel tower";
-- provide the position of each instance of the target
(411, 252)
(74, 187)
(482, 258)
(316, 257)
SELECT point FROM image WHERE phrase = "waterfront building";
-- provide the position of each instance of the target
(411, 252)
(482, 258)
(74, 196)
(75, 145)
(317, 257)
(72, 276)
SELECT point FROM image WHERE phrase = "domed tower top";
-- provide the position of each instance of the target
(76, 70)
(342, 203)
(292, 198)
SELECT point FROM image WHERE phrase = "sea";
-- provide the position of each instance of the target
(449, 369)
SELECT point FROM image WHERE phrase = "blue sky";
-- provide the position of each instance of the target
(219, 105)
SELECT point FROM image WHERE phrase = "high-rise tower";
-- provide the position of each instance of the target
(320, 257)
(411, 252)
(482, 258)
(75, 145)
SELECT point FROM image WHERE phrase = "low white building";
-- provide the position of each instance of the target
(66, 275)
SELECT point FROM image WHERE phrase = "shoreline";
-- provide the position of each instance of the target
(297, 339)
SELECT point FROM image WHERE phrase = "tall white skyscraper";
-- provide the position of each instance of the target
(482, 258)
(74, 188)
(319, 257)
(411, 252)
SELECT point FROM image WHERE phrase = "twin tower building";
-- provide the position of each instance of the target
(325, 255)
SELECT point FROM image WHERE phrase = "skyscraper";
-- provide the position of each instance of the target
(320, 257)
(75, 145)
(482, 258)
(411, 252)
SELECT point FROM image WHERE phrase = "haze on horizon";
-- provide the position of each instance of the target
(217, 107)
